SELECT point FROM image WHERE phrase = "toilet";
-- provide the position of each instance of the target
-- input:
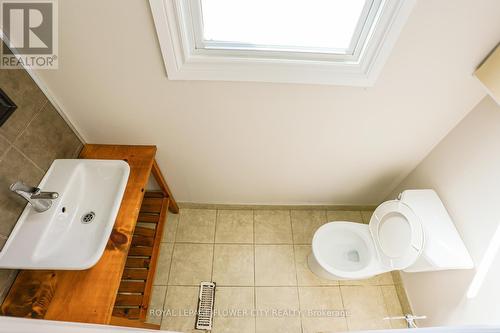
(413, 233)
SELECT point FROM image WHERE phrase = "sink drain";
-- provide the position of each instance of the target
(87, 218)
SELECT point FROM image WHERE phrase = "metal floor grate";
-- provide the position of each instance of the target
(205, 306)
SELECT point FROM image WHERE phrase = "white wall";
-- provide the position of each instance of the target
(235, 142)
(465, 171)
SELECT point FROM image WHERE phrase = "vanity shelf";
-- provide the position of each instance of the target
(96, 295)
(134, 292)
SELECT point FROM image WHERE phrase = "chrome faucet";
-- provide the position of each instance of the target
(41, 201)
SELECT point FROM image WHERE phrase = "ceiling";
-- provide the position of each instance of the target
(264, 143)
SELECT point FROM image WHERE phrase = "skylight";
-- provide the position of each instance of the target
(343, 42)
(330, 26)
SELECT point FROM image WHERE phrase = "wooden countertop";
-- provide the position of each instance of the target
(89, 295)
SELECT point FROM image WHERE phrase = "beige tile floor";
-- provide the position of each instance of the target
(258, 260)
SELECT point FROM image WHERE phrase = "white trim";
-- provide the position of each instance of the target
(183, 61)
(368, 15)
(46, 91)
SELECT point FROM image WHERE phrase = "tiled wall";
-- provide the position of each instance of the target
(30, 140)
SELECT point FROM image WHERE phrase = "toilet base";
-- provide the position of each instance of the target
(315, 267)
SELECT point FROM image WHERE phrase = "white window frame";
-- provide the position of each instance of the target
(188, 57)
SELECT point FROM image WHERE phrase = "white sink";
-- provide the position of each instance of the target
(61, 238)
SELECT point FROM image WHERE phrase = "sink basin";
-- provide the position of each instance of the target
(72, 234)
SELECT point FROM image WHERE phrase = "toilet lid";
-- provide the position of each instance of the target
(397, 234)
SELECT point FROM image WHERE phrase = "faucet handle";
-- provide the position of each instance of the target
(41, 201)
(45, 195)
(20, 186)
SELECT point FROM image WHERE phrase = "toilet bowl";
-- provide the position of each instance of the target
(395, 239)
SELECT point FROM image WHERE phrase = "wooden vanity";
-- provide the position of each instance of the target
(116, 290)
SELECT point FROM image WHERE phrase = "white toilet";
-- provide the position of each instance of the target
(413, 233)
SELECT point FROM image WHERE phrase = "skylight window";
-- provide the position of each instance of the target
(343, 42)
(329, 26)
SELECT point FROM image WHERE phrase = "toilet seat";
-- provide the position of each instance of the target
(397, 234)
(393, 240)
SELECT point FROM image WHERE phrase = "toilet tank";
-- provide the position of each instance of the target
(443, 247)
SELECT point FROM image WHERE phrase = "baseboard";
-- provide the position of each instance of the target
(194, 205)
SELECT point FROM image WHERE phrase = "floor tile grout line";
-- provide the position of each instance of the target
(385, 306)
(237, 243)
(29, 159)
(12, 142)
(22, 131)
(283, 285)
(9, 148)
(178, 225)
(254, 271)
(213, 254)
(5, 139)
(169, 269)
(213, 246)
(278, 285)
(253, 227)
(35, 115)
(343, 307)
(170, 266)
(163, 304)
(295, 269)
(265, 286)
